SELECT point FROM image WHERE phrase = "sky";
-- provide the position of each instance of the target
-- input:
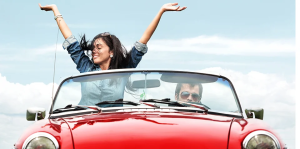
(250, 42)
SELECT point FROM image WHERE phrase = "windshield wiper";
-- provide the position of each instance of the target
(175, 103)
(71, 107)
(163, 101)
(202, 107)
(119, 101)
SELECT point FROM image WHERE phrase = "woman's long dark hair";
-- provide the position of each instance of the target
(121, 58)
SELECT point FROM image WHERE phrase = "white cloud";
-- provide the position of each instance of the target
(35, 54)
(47, 49)
(12, 129)
(201, 44)
(16, 98)
(226, 46)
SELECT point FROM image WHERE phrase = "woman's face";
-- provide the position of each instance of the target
(101, 52)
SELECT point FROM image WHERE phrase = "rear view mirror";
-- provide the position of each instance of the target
(255, 113)
(34, 114)
(151, 83)
(187, 78)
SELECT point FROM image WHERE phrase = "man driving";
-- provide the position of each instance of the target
(188, 92)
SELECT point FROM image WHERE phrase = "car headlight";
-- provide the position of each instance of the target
(261, 140)
(40, 140)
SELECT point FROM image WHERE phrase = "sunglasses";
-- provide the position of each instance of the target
(185, 95)
(106, 34)
(98, 45)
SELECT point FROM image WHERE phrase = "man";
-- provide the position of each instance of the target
(188, 92)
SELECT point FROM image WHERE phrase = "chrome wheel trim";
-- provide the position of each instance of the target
(40, 134)
(260, 132)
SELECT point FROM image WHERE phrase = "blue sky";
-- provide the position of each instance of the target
(242, 39)
(26, 27)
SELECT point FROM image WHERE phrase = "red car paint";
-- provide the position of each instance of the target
(147, 130)
(150, 130)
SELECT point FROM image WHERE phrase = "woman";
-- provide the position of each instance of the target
(107, 53)
(107, 50)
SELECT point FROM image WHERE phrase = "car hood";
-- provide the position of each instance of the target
(149, 130)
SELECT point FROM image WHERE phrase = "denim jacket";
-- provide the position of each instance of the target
(97, 91)
(83, 62)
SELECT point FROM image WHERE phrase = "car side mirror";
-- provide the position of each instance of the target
(34, 114)
(255, 113)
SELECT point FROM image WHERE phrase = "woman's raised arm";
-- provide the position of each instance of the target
(59, 19)
(151, 28)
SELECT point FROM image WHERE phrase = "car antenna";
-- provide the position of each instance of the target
(55, 60)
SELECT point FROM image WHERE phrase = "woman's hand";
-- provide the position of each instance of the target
(48, 7)
(151, 28)
(172, 7)
(60, 21)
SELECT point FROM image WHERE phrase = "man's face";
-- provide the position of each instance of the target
(189, 93)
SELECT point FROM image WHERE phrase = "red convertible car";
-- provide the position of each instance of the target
(133, 108)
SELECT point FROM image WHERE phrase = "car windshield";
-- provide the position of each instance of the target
(124, 89)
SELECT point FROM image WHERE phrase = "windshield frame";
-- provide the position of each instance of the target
(147, 70)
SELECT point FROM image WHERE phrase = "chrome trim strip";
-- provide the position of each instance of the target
(137, 70)
(144, 108)
(40, 134)
(253, 115)
(260, 132)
